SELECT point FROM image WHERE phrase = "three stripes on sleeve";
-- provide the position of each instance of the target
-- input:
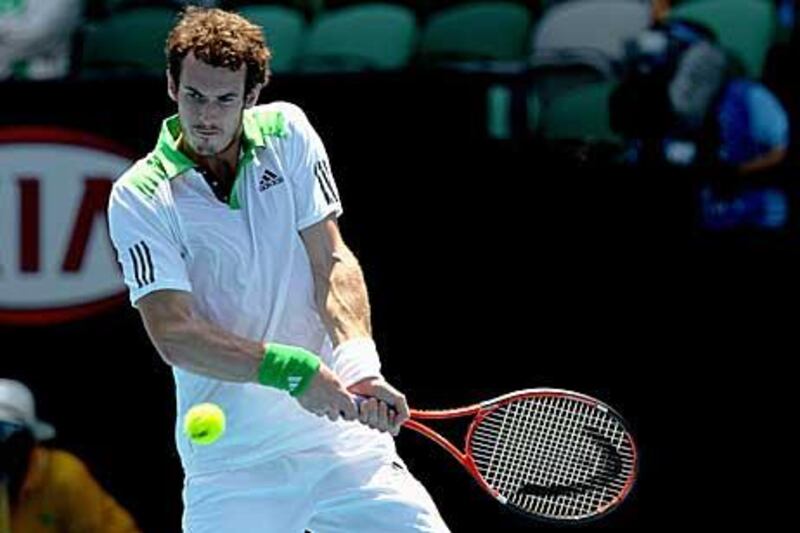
(143, 269)
(323, 173)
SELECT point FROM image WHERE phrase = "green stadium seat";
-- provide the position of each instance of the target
(283, 28)
(131, 40)
(476, 31)
(365, 37)
(581, 114)
(745, 27)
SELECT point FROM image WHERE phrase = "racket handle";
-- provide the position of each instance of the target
(360, 398)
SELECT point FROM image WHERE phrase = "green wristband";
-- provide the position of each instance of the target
(288, 368)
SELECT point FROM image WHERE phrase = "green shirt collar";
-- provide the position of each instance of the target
(175, 162)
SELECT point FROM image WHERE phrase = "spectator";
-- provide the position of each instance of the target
(685, 102)
(48, 490)
(36, 37)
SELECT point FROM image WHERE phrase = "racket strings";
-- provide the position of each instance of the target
(556, 455)
(573, 469)
(553, 456)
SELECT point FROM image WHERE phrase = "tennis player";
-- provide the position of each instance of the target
(228, 239)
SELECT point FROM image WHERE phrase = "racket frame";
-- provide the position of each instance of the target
(483, 409)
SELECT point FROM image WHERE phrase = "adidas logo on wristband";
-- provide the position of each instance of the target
(294, 382)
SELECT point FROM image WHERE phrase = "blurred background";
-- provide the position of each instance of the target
(601, 193)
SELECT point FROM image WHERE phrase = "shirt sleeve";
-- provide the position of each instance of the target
(769, 121)
(315, 193)
(147, 250)
(752, 123)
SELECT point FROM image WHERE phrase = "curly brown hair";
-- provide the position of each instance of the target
(221, 39)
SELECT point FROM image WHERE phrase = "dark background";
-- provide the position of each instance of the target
(492, 265)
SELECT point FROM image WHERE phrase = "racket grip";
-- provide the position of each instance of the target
(360, 398)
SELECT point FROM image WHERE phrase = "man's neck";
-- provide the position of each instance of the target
(222, 165)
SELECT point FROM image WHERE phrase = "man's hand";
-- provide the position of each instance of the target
(385, 408)
(326, 396)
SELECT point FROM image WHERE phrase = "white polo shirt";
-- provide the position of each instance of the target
(247, 269)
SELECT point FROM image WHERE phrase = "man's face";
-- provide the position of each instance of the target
(16, 445)
(210, 104)
(660, 9)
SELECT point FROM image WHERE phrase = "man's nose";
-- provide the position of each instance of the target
(209, 112)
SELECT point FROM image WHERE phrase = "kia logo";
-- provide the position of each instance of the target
(57, 262)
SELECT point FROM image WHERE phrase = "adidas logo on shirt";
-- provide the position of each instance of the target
(269, 179)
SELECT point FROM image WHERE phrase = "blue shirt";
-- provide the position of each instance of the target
(752, 122)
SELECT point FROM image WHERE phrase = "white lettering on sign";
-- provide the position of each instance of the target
(57, 262)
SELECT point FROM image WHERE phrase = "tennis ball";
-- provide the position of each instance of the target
(204, 423)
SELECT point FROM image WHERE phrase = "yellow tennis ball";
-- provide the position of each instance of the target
(204, 423)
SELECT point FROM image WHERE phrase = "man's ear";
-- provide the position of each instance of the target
(252, 97)
(172, 88)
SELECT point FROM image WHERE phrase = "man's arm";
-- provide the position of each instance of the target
(188, 341)
(771, 159)
(343, 304)
(339, 286)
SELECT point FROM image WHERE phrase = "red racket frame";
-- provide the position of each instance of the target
(483, 409)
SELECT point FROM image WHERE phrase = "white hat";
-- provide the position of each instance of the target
(17, 405)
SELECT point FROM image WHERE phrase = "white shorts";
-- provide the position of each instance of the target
(316, 490)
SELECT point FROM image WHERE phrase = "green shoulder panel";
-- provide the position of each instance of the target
(262, 123)
(145, 176)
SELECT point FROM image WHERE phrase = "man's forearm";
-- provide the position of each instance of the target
(204, 348)
(342, 299)
(187, 340)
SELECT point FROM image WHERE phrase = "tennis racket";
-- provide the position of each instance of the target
(550, 454)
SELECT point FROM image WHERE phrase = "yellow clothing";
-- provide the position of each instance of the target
(59, 495)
